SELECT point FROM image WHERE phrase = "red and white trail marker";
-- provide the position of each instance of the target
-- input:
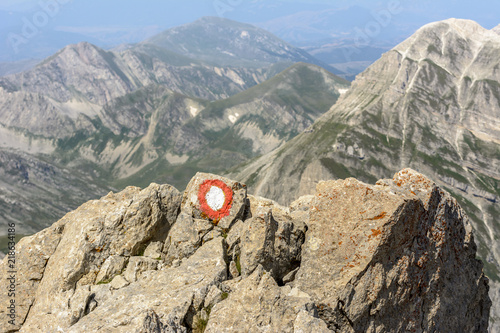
(215, 198)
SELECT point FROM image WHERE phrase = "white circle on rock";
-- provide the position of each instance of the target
(215, 198)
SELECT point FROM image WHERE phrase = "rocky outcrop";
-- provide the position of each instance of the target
(395, 256)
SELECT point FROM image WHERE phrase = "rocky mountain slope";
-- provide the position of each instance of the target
(107, 119)
(224, 42)
(116, 131)
(59, 95)
(433, 104)
(398, 255)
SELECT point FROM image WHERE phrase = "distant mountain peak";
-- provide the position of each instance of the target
(220, 41)
(467, 28)
(496, 29)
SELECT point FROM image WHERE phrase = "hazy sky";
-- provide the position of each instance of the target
(108, 22)
(173, 12)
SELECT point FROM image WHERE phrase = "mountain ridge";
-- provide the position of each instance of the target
(431, 103)
(222, 41)
(154, 133)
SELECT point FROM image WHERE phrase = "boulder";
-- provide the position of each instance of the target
(258, 304)
(137, 265)
(185, 237)
(215, 198)
(160, 298)
(396, 256)
(112, 266)
(117, 225)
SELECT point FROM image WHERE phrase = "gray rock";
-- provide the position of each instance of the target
(396, 255)
(302, 204)
(214, 296)
(170, 293)
(137, 265)
(112, 266)
(257, 304)
(154, 250)
(306, 323)
(226, 215)
(118, 224)
(118, 282)
(32, 256)
(290, 276)
(274, 242)
(233, 238)
(233, 269)
(185, 237)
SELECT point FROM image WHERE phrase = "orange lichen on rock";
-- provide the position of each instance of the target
(379, 216)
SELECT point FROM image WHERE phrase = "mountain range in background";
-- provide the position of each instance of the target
(221, 96)
(348, 36)
(112, 119)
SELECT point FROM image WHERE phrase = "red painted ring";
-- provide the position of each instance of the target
(228, 199)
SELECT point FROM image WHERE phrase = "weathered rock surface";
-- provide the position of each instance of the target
(257, 304)
(70, 254)
(395, 256)
(191, 204)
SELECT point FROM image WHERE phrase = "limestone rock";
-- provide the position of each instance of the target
(274, 242)
(396, 255)
(233, 269)
(214, 296)
(138, 265)
(257, 304)
(118, 224)
(32, 256)
(223, 201)
(154, 250)
(260, 207)
(171, 293)
(118, 282)
(185, 237)
(113, 266)
(306, 323)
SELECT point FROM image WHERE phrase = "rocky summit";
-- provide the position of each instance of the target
(391, 257)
